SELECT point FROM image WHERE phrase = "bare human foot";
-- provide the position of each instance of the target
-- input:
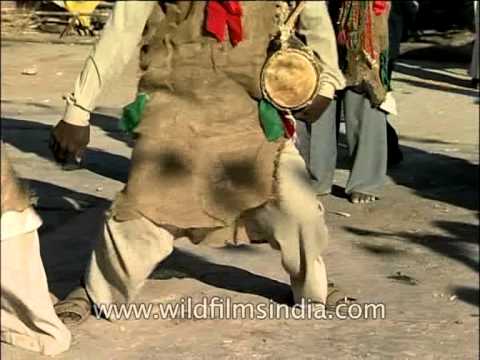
(360, 198)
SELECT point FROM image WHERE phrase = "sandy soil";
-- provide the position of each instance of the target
(425, 227)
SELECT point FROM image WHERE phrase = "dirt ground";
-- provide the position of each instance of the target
(425, 228)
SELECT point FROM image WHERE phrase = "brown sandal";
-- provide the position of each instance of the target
(336, 297)
(75, 309)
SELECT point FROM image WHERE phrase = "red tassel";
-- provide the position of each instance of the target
(235, 29)
(233, 7)
(342, 37)
(288, 126)
(225, 14)
(380, 6)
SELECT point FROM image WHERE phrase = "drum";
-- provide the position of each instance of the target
(290, 76)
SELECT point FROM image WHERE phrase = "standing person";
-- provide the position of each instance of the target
(201, 160)
(28, 319)
(402, 17)
(362, 36)
(474, 70)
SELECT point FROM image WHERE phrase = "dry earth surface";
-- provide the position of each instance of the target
(425, 228)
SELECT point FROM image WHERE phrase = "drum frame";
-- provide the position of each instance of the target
(310, 57)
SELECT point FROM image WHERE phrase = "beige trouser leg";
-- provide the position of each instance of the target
(28, 319)
(297, 227)
(125, 255)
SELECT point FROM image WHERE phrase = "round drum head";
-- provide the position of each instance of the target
(290, 79)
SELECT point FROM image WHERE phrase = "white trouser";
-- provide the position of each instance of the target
(28, 319)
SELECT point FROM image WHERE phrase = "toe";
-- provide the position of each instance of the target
(359, 198)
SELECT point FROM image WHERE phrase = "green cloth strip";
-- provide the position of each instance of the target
(132, 113)
(271, 121)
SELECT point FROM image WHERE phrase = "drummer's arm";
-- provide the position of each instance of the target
(108, 58)
(316, 26)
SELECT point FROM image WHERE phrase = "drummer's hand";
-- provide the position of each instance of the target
(69, 141)
(313, 112)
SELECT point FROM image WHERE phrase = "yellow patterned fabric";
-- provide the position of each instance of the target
(84, 7)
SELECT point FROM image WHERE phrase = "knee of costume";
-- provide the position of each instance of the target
(124, 256)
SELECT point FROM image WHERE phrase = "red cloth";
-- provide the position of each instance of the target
(225, 14)
(380, 6)
(288, 126)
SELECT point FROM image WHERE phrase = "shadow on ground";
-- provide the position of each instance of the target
(183, 264)
(467, 294)
(109, 125)
(429, 85)
(438, 177)
(457, 241)
(447, 53)
(32, 137)
(426, 73)
(435, 176)
(56, 205)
